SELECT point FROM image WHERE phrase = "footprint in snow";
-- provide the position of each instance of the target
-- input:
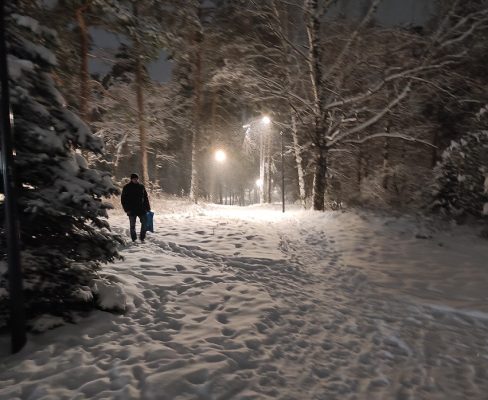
(212, 306)
(228, 331)
(182, 289)
(222, 318)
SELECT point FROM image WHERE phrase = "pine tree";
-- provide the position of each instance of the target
(64, 233)
(460, 176)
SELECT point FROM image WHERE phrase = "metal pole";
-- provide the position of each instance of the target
(282, 172)
(220, 188)
(17, 310)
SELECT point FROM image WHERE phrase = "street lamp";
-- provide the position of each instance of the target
(282, 172)
(220, 156)
(266, 121)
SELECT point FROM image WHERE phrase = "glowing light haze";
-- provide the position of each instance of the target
(220, 156)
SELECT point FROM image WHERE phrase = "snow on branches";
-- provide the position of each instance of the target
(64, 232)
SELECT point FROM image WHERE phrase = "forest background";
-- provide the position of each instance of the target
(376, 106)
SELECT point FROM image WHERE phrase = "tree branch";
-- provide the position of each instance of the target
(389, 135)
(340, 136)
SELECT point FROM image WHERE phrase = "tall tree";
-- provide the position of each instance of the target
(351, 89)
(142, 23)
(64, 232)
(197, 54)
(84, 46)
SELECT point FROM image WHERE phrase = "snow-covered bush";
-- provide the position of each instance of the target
(64, 232)
(398, 187)
(461, 177)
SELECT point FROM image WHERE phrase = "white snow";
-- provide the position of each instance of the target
(17, 66)
(45, 322)
(110, 295)
(248, 303)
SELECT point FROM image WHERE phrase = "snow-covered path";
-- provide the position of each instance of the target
(247, 303)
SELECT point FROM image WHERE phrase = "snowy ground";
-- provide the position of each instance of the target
(247, 303)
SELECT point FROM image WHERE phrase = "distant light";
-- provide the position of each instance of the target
(266, 120)
(259, 183)
(220, 156)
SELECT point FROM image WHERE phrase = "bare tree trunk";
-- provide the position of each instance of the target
(84, 75)
(298, 159)
(120, 149)
(269, 158)
(197, 113)
(359, 174)
(141, 119)
(215, 103)
(316, 74)
(285, 32)
(220, 190)
(386, 162)
(214, 137)
(319, 183)
(140, 105)
(261, 168)
(194, 167)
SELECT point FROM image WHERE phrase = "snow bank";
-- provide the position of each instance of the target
(250, 303)
(109, 295)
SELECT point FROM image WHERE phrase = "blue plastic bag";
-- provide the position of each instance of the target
(150, 221)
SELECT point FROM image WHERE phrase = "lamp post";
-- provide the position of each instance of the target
(17, 308)
(265, 120)
(257, 124)
(266, 158)
(282, 172)
(220, 157)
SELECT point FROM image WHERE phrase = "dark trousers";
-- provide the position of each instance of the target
(132, 220)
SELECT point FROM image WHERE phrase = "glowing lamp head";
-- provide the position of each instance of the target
(259, 183)
(220, 156)
(266, 120)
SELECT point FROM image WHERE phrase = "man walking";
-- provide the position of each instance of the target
(136, 204)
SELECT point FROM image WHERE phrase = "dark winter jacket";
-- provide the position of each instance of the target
(134, 199)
